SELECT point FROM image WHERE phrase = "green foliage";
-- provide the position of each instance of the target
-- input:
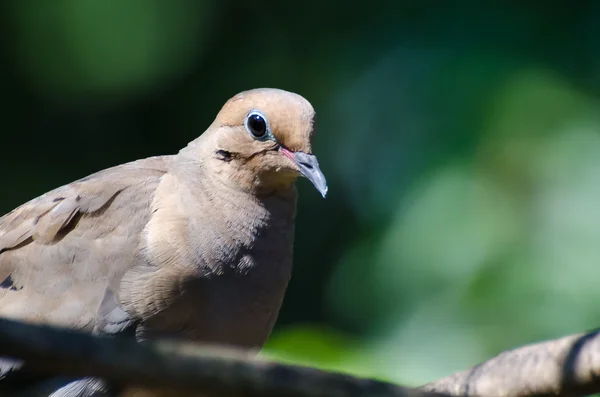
(90, 47)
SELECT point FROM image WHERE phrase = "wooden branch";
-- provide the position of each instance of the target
(185, 367)
(568, 366)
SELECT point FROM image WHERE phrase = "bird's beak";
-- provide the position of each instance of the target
(309, 167)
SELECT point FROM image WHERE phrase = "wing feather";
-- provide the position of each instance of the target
(62, 251)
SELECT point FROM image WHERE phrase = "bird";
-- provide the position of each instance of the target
(194, 246)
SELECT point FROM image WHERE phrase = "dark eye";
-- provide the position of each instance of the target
(256, 125)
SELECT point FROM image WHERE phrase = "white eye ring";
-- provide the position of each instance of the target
(257, 125)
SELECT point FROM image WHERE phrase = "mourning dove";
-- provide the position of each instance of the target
(195, 246)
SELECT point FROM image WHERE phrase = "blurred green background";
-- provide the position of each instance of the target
(461, 143)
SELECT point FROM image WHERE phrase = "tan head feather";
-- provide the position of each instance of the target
(262, 139)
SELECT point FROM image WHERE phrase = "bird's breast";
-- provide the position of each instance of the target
(244, 296)
(223, 272)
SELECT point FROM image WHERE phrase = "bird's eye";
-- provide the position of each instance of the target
(256, 125)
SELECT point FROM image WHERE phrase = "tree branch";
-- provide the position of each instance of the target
(569, 366)
(185, 367)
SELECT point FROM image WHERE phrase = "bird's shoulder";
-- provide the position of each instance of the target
(46, 218)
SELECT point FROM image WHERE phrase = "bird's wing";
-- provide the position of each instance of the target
(62, 253)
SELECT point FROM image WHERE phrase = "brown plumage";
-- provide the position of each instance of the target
(196, 245)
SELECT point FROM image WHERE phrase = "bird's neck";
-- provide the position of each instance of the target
(235, 177)
(241, 222)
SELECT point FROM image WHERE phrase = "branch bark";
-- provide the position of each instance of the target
(185, 367)
(569, 366)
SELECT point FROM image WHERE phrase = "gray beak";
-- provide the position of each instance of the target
(309, 167)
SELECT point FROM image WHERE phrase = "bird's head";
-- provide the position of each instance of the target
(263, 137)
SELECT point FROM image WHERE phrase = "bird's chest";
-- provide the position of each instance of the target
(233, 277)
(242, 309)
(244, 292)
